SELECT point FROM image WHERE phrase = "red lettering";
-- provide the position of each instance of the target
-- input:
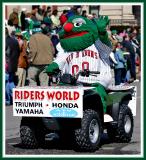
(37, 95)
(17, 94)
(32, 95)
(75, 69)
(84, 53)
(76, 95)
(88, 53)
(70, 98)
(85, 65)
(65, 95)
(92, 54)
(96, 56)
(26, 94)
(42, 95)
(50, 95)
(58, 95)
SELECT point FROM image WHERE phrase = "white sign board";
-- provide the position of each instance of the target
(48, 102)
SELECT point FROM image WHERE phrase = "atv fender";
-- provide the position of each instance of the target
(92, 100)
(118, 98)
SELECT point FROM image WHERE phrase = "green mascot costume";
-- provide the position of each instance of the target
(84, 45)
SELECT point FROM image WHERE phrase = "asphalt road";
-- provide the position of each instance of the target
(13, 145)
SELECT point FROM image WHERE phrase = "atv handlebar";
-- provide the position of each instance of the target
(70, 79)
(86, 73)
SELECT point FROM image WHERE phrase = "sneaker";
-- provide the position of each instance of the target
(137, 80)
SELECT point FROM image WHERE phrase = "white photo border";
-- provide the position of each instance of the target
(141, 91)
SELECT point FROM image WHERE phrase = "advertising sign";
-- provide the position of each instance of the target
(48, 102)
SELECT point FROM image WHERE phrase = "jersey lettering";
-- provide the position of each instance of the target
(75, 68)
(85, 53)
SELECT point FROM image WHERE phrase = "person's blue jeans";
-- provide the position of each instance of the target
(118, 76)
(9, 92)
(133, 67)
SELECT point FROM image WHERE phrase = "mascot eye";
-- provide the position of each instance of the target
(78, 22)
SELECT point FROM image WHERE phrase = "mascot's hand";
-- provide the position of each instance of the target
(102, 22)
(52, 68)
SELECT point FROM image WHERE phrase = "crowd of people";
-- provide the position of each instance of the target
(31, 40)
(126, 48)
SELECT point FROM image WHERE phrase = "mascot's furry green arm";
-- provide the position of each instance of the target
(102, 23)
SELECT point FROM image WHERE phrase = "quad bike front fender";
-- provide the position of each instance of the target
(92, 100)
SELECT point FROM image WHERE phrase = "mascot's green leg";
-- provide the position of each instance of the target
(102, 92)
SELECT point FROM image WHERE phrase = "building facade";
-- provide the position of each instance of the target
(119, 15)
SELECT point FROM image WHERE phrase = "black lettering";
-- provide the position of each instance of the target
(54, 105)
(75, 105)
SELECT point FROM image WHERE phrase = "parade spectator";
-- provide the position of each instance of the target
(10, 27)
(71, 12)
(22, 19)
(75, 10)
(63, 17)
(12, 55)
(22, 61)
(112, 37)
(47, 20)
(135, 43)
(94, 15)
(41, 54)
(39, 14)
(9, 90)
(55, 19)
(120, 66)
(78, 10)
(84, 13)
(34, 12)
(14, 17)
(48, 9)
(123, 33)
(127, 65)
(129, 48)
(138, 37)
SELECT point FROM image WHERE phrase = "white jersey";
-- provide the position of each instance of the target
(73, 62)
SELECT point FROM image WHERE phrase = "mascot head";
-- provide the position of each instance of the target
(78, 33)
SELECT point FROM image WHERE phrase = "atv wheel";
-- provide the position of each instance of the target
(31, 137)
(88, 136)
(124, 130)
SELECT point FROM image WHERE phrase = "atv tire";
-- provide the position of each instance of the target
(31, 137)
(123, 131)
(88, 137)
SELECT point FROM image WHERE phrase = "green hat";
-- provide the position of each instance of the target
(114, 31)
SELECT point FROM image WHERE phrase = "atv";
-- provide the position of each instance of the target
(87, 131)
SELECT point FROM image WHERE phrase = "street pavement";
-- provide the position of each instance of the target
(13, 146)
